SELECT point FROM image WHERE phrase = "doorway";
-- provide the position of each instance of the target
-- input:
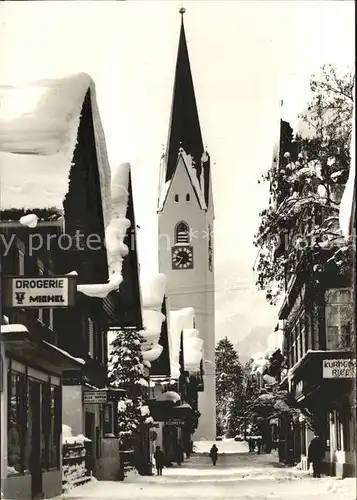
(35, 432)
(89, 424)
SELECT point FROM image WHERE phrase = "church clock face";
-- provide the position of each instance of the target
(182, 257)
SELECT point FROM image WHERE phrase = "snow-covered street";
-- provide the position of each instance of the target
(238, 475)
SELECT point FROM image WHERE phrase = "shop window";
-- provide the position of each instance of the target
(28, 423)
(45, 433)
(182, 233)
(50, 439)
(15, 430)
(339, 318)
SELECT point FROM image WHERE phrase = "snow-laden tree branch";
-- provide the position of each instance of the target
(306, 189)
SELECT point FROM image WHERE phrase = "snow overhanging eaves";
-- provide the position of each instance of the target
(39, 124)
(153, 293)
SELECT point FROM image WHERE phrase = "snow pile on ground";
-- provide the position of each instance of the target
(243, 475)
(39, 123)
(153, 293)
(114, 234)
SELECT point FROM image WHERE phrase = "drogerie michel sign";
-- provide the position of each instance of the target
(339, 368)
(39, 292)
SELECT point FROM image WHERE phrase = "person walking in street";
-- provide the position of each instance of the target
(259, 445)
(179, 454)
(316, 454)
(214, 454)
(159, 460)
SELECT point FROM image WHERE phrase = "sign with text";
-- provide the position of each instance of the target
(177, 422)
(95, 397)
(339, 368)
(39, 292)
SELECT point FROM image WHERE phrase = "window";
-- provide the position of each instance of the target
(99, 345)
(188, 198)
(176, 198)
(40, 272)
(91, 333)
(339, 318)
(182, 233)
(15, 429)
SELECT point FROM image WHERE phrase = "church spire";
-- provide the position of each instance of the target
(184, 128)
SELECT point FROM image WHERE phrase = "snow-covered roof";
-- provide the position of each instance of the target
(180, 320)
(39, 123)
(115, 233)
(13, 328)
(187, 161)
(153, 292)
(193, 350)
(65, 353)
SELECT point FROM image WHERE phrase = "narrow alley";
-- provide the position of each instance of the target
(237, 475)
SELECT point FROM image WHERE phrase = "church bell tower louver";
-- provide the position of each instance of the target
(186, 217)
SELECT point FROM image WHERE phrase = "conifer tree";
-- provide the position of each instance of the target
(229, 379)
(126, 371)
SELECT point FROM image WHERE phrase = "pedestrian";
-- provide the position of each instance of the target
(250, 444)
(316, 454)
(179, 454)
(159, 460)
(214, 454)
(259, 444)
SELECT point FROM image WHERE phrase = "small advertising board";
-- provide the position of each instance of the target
(39, 292)
(95, 397)
(176, 422)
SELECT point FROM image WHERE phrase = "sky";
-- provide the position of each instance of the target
(246, 56)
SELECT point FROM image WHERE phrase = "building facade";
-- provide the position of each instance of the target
(53, 356)
(319, 336)
(186, 218)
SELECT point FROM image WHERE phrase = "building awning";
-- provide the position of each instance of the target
(321, 376)
(22, 346)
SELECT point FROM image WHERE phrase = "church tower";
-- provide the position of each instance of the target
(186, 216)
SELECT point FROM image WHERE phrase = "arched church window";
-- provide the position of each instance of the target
(182, 233)
(176, 198)
(188, 198)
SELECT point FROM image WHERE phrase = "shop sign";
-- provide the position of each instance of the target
(177, 422)
(54, 292)
(95, 397)
(339, 368)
